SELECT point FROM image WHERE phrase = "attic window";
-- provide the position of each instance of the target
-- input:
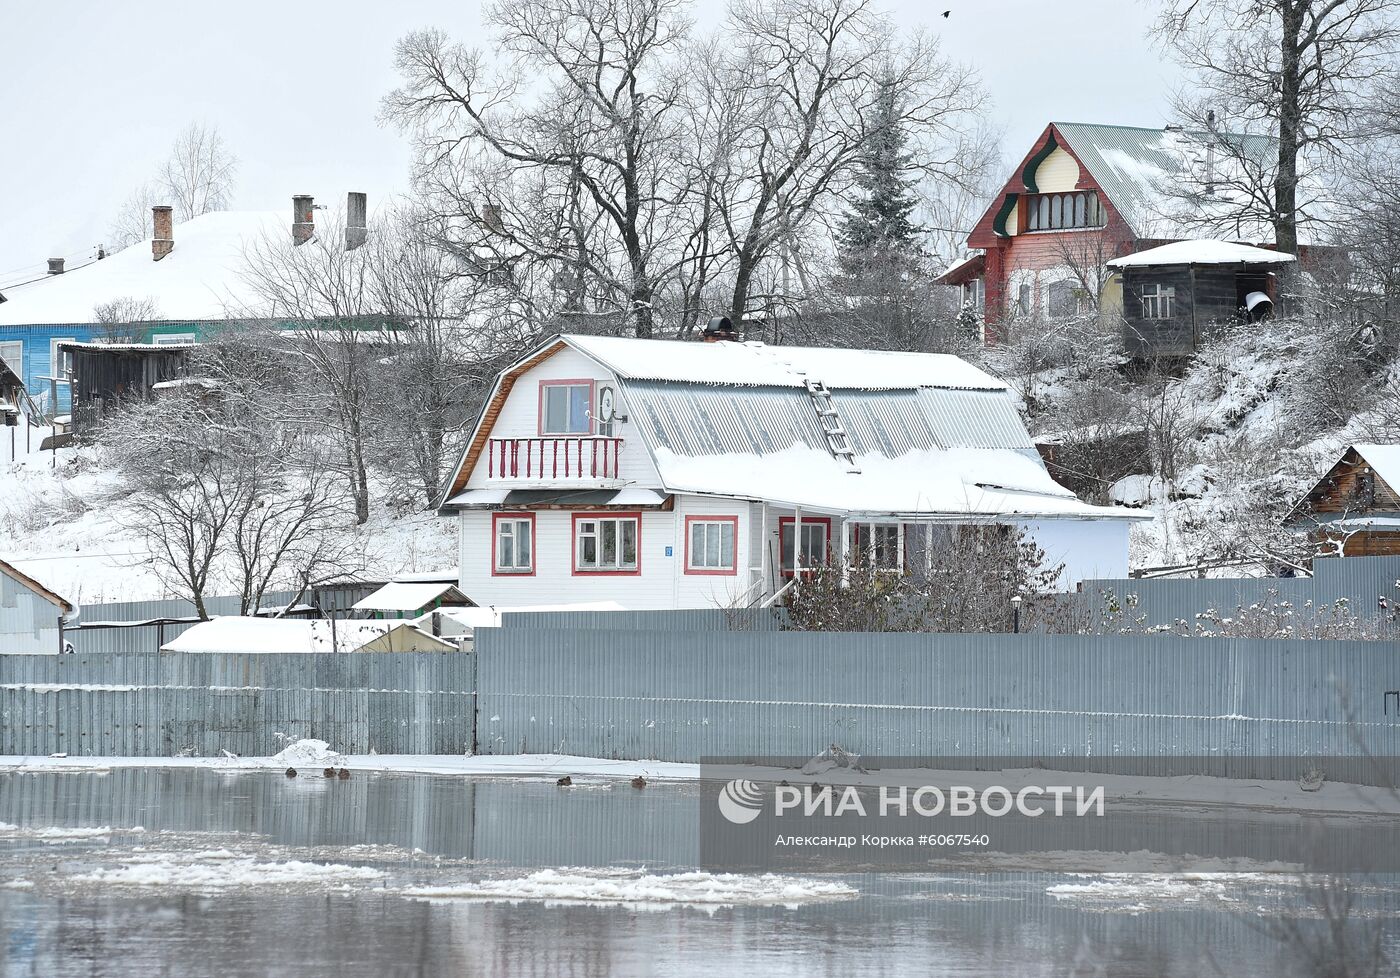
(1057, 212)
(566, 407)
(1364, 491)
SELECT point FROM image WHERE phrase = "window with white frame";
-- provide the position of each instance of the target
(710, 545)
(566, 408)
(60, 361)
(1158, 301)
(880, 544)
(605, 543)
(515, 545)
(166, 339)
(12, 352)
(815, 536)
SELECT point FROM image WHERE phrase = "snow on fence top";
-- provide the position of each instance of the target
(758, 365)
(1202, 252)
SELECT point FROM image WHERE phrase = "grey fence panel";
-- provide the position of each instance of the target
(683, 696)
(691, 619)
(1361, 581)
(161, 704)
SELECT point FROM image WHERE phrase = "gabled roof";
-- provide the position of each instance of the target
(1142, 172)
(1133, 165)
(1201, 251)
(932, 435)
(1384, 461)
(27, 582)
(410, 596)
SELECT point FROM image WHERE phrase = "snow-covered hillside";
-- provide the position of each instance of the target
(65, 520)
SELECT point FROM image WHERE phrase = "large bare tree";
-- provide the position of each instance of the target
(195, 178)
(583, 107)
(798, 86)
(1298, 71)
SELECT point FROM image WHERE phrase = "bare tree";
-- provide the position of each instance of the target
(1293, 70)
(320, 301)
(120, 319)
(585, 109)
(800, 82)
(132, 223)
(198, 174)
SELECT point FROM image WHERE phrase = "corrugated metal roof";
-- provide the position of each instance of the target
(1133, 165)
(696, 420)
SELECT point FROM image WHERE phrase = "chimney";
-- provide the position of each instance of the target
(355, 232)
(55, 266)
(163, 241)
(719, 328)
(303, 221)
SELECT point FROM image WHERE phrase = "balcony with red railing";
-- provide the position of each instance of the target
(550, 459)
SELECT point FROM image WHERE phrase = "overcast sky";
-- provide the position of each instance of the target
(96, 92)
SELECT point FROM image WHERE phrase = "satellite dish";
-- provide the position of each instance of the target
(607, 405)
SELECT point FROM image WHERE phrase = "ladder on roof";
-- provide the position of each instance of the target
(838, 442)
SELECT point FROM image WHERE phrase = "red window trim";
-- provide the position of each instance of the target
(733, 521)
(496, 519)
(574, 382)
(824, 520)
(603, 515)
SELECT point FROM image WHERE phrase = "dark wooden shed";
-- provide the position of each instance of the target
(1178, 295)
(105, 374)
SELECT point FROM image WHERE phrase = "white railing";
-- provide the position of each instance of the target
(548, 458)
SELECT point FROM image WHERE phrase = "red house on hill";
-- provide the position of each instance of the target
(1085, 194)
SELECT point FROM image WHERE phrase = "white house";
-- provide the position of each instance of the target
(662, 474)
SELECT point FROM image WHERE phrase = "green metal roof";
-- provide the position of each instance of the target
(1132, 164)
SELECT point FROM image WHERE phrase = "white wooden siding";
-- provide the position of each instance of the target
(519, 417)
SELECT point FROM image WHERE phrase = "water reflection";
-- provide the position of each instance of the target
(945, 926)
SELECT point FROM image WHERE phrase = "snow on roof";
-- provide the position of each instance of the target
(1201, 251)
(1384, 460)
(1144, 172)
(30, 584)
(287, 635)
(201, 279)
(409, 596)
(957, 483)
(102, 345)
(470, 619)
(758, 365)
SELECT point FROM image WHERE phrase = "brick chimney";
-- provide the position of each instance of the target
(55, 266)
(163, 241)
(355, 225)
(303, 220)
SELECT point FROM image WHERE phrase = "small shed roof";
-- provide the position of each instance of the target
(411, 596)
(233, 633)
(27, 582)
(1202, 251)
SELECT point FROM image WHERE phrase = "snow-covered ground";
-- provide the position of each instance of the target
(64, 523)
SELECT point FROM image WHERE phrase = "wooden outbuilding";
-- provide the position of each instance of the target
(105, 374)
(1354, 510)
(1178, 295)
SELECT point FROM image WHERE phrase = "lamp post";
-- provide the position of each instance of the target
(1015, 614)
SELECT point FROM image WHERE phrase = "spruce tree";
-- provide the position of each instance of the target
(879, 228)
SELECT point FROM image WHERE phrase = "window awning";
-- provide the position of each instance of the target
(630, 497)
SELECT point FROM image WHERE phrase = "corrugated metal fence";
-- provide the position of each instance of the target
(681, 696)
(162, 704)
(1361, 581)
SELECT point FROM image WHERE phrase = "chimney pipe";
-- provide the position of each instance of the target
(719, 328)
(303, 221)
(163, 241)
(355, 227)
(55, 266)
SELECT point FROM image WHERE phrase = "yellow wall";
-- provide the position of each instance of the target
(1057, 173)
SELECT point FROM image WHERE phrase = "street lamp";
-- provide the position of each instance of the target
(1015, 614)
